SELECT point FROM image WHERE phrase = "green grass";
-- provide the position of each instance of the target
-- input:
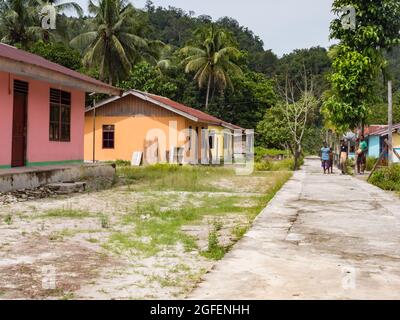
(154, 228)
(65, 213)
(8, 219)
(163, 177)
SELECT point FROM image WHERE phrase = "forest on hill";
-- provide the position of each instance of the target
(217, 66)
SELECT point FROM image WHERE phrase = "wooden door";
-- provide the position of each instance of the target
(19, 129)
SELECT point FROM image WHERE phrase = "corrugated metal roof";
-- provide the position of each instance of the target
(385, 131)
(202, 116)
(12, 53)
(370, 130)
(174, 106)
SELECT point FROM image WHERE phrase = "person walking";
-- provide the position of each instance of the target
(362, 155)
(331, 160)
(343, 156)
(325, 151)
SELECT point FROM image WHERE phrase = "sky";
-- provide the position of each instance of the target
(283, 25)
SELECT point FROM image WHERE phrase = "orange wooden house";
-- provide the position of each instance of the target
(139, 122)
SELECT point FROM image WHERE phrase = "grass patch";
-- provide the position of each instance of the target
(8, 219)
(66, 213)
(215, 251)
(163, 177)
(154, 227)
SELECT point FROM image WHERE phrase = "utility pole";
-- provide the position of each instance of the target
(94, 126)
(390, 123)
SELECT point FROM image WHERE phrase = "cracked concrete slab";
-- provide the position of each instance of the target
(321, 237)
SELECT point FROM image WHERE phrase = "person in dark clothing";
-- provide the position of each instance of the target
(331, 156)
(343, 156)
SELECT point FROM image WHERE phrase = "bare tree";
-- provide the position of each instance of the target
(297, 111)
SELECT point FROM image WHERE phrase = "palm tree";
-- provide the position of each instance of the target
(115, 43)
(60, 6)
(17, 22)
(212, 60)
(20, 23)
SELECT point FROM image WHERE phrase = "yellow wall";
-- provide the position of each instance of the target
(396, 140)
(218, 149)
(130, 135)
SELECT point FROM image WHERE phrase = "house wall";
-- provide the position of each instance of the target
(396, 145)
(131, 134)
(133, 119)
(6, 112)
(374, 146)
(218, 150)
(40, 150)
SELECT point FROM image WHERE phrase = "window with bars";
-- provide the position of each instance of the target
(60, 116)
(108, 136)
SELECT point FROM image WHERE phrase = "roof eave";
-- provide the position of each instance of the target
(39, 73)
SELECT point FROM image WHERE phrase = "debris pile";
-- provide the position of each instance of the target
(26, 195)
(50, 190)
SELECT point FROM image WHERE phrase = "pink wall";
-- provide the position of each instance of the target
(39, 147)
(6, 103)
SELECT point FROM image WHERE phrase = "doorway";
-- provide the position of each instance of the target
(19, 128)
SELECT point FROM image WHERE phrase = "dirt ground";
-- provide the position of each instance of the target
(85, 246)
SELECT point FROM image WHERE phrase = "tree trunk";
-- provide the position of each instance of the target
(297, 155)
(208, 92)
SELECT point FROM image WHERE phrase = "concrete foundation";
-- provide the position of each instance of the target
(30, 178)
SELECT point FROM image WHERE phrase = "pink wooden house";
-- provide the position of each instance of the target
(42, 110)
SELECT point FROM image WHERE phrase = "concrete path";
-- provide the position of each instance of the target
(321, 237)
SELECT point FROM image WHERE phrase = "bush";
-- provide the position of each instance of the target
(282, 165)
(387, 178)
(260, 153)
(370, 163)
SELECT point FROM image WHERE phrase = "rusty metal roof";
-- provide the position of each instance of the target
(14, 54)
(173, 106)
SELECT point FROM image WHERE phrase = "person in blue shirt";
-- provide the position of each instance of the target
(325, 152)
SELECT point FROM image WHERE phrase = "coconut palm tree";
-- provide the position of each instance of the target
(20, 19)
(17, 22)
(212, 60)
(60, 6)
(115, 43)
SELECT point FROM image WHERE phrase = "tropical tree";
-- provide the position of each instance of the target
(115, 43)
(212, 58)
(358, 59)
(17, 20)
(61, 7)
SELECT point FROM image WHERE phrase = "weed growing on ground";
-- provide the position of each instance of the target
(8, 219)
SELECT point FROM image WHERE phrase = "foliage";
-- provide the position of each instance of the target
(352, 89)
(115, 42)
(212, 58)
(280, 165)
(261, 153)
(358, 58)
(17, 20)
(387, 178)
(245, 106)
(370, 163)
(379, 112)
(314, 61)
(148, 78)
(58, 53)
